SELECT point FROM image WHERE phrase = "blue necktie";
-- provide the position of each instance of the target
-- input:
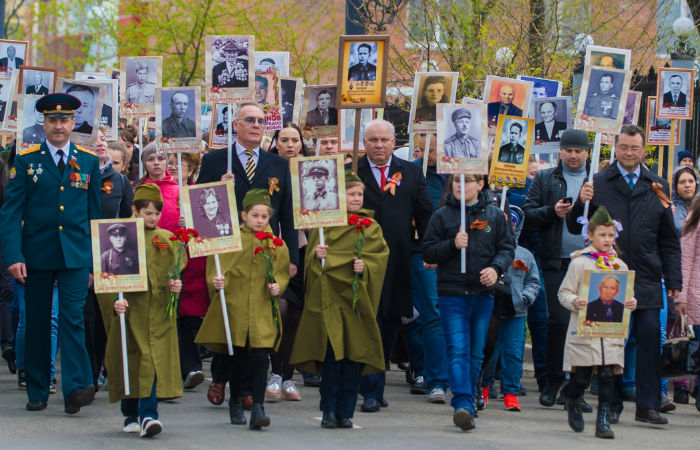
(631, 180)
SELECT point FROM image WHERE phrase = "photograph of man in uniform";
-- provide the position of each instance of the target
(38, 86)
(34, 133)
(3, 102)
(260, 89)
(549, 129)
(222, 126)
(317, 183)
(674, 96)
(85, 114)
(178, 124)
(363, 70)
(322, 114)
(434, 91)
(121, 258)
(512, 152)
(11, 61)
(504, 105)
(233, 71)
(605, 308)
(288, 88)
(212, 217)
(144, 89)
(461, 144)
(266, 64)
(605, 102)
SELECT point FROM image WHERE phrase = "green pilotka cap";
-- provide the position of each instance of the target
(148, 191)
(256, 197)
(601, 216)
(351, 176)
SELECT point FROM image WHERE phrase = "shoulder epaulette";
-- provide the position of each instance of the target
(83, 149)
(31, 149)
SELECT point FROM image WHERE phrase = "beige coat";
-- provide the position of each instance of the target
(585, 351)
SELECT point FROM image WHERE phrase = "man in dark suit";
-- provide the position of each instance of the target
(37, 88)
(10, 62)
(233, 72)
(549, 130)
(674, 97)
(323, 114)
(53, 193)
(177, 124)
(395, 209)
(512, 152)
(363, 70)
(504, 106)
(85, 114)
(605, 308)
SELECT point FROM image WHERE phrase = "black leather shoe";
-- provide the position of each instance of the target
(370, 405)
(235, 411)
(312, 380)
(344, 422)
(575, 414)
(585, 407)
(258, 419)
(613, 417)
(548, 396)
(650, 416)
(78, 398)
(602, 424)
(681, 395)
(35, 405)
(383, 403)
(329, 420)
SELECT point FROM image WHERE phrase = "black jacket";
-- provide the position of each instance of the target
(117, 194)
(648, 241)
(548, 187)
(492, 246)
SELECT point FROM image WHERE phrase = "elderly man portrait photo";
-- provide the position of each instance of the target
(37, 86)
(144, 89)
(363, 70)
(549, 129)
(674, 96)
(233, 71)
(323, 114)
(512, 152)
(462, 144)
(605, 308)
(504, 105)
(178, 124)
(11, 61)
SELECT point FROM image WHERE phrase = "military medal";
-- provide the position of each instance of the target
(39, 170)
(35, 178)
(79, 180)
(30, 171)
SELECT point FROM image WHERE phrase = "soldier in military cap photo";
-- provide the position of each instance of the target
(462, 144)
(52, 194)
(319, 191)
(605, 101)
(144, 89)
(233, 71)
(120, 256)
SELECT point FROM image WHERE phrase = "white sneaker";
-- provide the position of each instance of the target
(131, 426)
(273, 391)
(290, 391)
(193, 379)
(437, 395)
(150, 427)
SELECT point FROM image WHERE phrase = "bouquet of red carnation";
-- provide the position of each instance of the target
(362, 225)
(268, 243)
(183, 236)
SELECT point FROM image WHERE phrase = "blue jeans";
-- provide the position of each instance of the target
(141, 407)
(425, 300)
(414, 347)
(537, 323)
(511, 346)
(465, 321)
(19, 339)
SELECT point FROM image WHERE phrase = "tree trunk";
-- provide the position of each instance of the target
(536, 33)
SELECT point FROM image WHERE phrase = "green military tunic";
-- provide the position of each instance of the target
(328, 313)
(248, 301)
(151, 339)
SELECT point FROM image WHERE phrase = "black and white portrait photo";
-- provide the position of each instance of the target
(108, 115)
(178, 113)
(608, 57)
(230, 62)
(513, 140)
(119, 249)
(291, 98)
(429, 89)
(362, 61)
(220, 117)
(12, 56)
(87, 115)
(210, 211)
(142, 79)
(277, 61)
(604, 92)
(5, 86)
(552, 117)
(675, 88)
(37, 81)
(542, 87)
(319, 185)
(321, 110)
(463, 132)
(31, 121)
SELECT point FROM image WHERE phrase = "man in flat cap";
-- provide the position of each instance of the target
(52, 194)
(178, 124)
(461, 144)
(120, 259)
(233, 72)
(143, 91)
(320, 199)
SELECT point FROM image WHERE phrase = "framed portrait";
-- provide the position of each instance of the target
(347, 127)
(659, 129)
(318, 191)
(9, 122)
(229, 68)
(210, 208)
(178, 121)
(429, 89)
(506, 96)
(511, 151)
(87, 116)
(605, 315)
(608, 57)
(6, 97)
(30, 122)
(36, 80)
(291, 90)
(109, 114)
(13, 54)
(675, 88)
(462, 138)
(218, 134)
(542, 87)
(602, 100)
(318, 116)
(119, 255)
(552, 117)
(362, 67)
(139, 77)
(277, 61)
(267, 95)
(634, 102)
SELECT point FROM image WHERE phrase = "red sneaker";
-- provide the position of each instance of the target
(485, 394)
(511, 402)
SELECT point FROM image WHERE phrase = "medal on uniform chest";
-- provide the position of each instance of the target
(35, 178)
(39, 170)
(30, 171)
(79, 180)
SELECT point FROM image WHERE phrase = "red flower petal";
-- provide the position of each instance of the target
(173, 238)
(353, 219)
(260, 235)
(278, 242)
(257, 250)
(366, 222)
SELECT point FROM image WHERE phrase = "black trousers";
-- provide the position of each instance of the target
(95, 335)
(7, 331)
(220, 368)
(647, 333)
(248, 360)
(557, 322)
(187, 329)
(340, 382)
(609, 385)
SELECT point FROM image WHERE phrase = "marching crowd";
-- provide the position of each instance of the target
(335, 311)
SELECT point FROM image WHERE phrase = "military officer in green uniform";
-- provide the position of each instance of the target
(143, 91)
(52, 194)
(603, 103)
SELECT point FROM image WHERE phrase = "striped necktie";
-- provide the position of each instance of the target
(250, 165)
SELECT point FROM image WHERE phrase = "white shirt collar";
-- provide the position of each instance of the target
(53, 149)
(625, 173)
(373, 165)
(240, 150)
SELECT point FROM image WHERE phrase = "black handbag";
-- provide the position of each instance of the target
(680, 354)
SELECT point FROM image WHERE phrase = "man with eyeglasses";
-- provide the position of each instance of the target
(649, 245)
(251, 167)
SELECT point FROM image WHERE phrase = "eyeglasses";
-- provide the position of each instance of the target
(251, 121)
(624, 148)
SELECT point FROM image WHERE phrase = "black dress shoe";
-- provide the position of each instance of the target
(370, 405)
(312, 380)
(681, 395)
(573, 409)
(650, 416)
(329, 420)
(585, 407)
(383, 403)
(35, 405)
(419, 387)
(344, 422)
(235, 412)
(548, 397)
(78, 398)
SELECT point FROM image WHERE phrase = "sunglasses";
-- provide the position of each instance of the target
(251, 121)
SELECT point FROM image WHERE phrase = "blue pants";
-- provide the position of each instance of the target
(465, 321)
(511, 346)
(425, 300)
(414, 347)
(340, 381)
(76, 371)
(537, 323)
(141, 407)
(19, 339)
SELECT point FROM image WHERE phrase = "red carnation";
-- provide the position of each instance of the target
(353, 219)
(173, 238)
(278, 242)
(366, 222)
(257, 250)
(260, 235)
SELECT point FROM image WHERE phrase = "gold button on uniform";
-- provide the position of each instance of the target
(61, 187)
(61, 207)
(60, 228)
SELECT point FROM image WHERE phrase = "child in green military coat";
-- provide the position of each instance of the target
(255, 325)
(152, 345)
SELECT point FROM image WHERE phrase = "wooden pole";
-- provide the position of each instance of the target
(671, 153)
(356, 139)
(426, 152)
(229, 160)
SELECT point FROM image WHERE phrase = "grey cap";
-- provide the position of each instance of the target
(148, 151)
(574, 139)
